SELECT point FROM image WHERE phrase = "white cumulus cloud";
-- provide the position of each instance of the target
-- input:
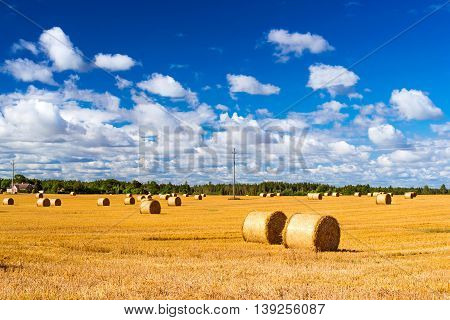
(114, 62)
(58, 47)
(385, 135)
(28, 71)
(166, 86)
(25, 45)
(414, 105)
(249, 84)
(334, 79)
(296, 43)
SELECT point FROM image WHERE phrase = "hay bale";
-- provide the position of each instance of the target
(39, 195)
(335, 194)
(271, 195)
(174, 201)
(198, 197)
(278, 194)
(173, 194)
(312, 231)
(186, 195)
(73, 194)
(391, 194)
(203, 195)
(141, 198)
(103, 202)
(8, 201)
(263, 194)
(164, 196)
(383, 199)
(55, 202)
(314, 196)
(357, 194)
(129, 201)
(129, 195)
(414, 194)
(150, 207)
(43, 202)
(409, 195)
(327, 194)
(370, 194)
(264, 227)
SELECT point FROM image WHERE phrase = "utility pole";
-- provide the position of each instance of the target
(234, 173)
(12, 180)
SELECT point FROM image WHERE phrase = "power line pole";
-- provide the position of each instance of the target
(234, 173)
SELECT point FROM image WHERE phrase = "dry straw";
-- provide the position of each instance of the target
(312, 231)
(198, 197)
(370, 194)
(335, 194)
(150, 207)
(263, 195)
(39, 195)
(129, 201)
(43, 202)
(264, 227)
(314, 196)
(383, 199)
(8, 201)
(103, 202)
(55, 202)
(357, 194)
(174, 201)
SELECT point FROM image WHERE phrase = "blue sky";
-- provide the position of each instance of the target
(222, 65)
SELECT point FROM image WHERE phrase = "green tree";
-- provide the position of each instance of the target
(443, 189)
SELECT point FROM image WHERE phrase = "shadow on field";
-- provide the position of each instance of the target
(348, 250)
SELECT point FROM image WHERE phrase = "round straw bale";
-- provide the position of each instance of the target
(314, 196)
(129, 201)
(263, 194)
(141, 198)
(357, 194)
(264, 227)
(327, 194)
(271, 195)
(278, 194)
(55, 202)
(370, 194)
(173, 194)
(409, 195)
(186, 195)
(198, 197)
(335, 194)
(128, 195)
(43, 202)
(174, 201)
(391, 194)
(103, 202)
(148, 197)
(73, 193)
(414, 194)
(204, 195)
(8, 201)
(383, 199)
(164, 196)
(313, 231)
(150, 207)
(39, 195)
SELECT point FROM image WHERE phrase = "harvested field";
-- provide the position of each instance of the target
(81, 251)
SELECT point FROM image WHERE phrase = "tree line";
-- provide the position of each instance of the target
(113, 186)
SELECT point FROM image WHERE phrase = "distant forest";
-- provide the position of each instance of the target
(287, 189)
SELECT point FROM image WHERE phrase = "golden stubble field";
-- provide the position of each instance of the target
(196, 251)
